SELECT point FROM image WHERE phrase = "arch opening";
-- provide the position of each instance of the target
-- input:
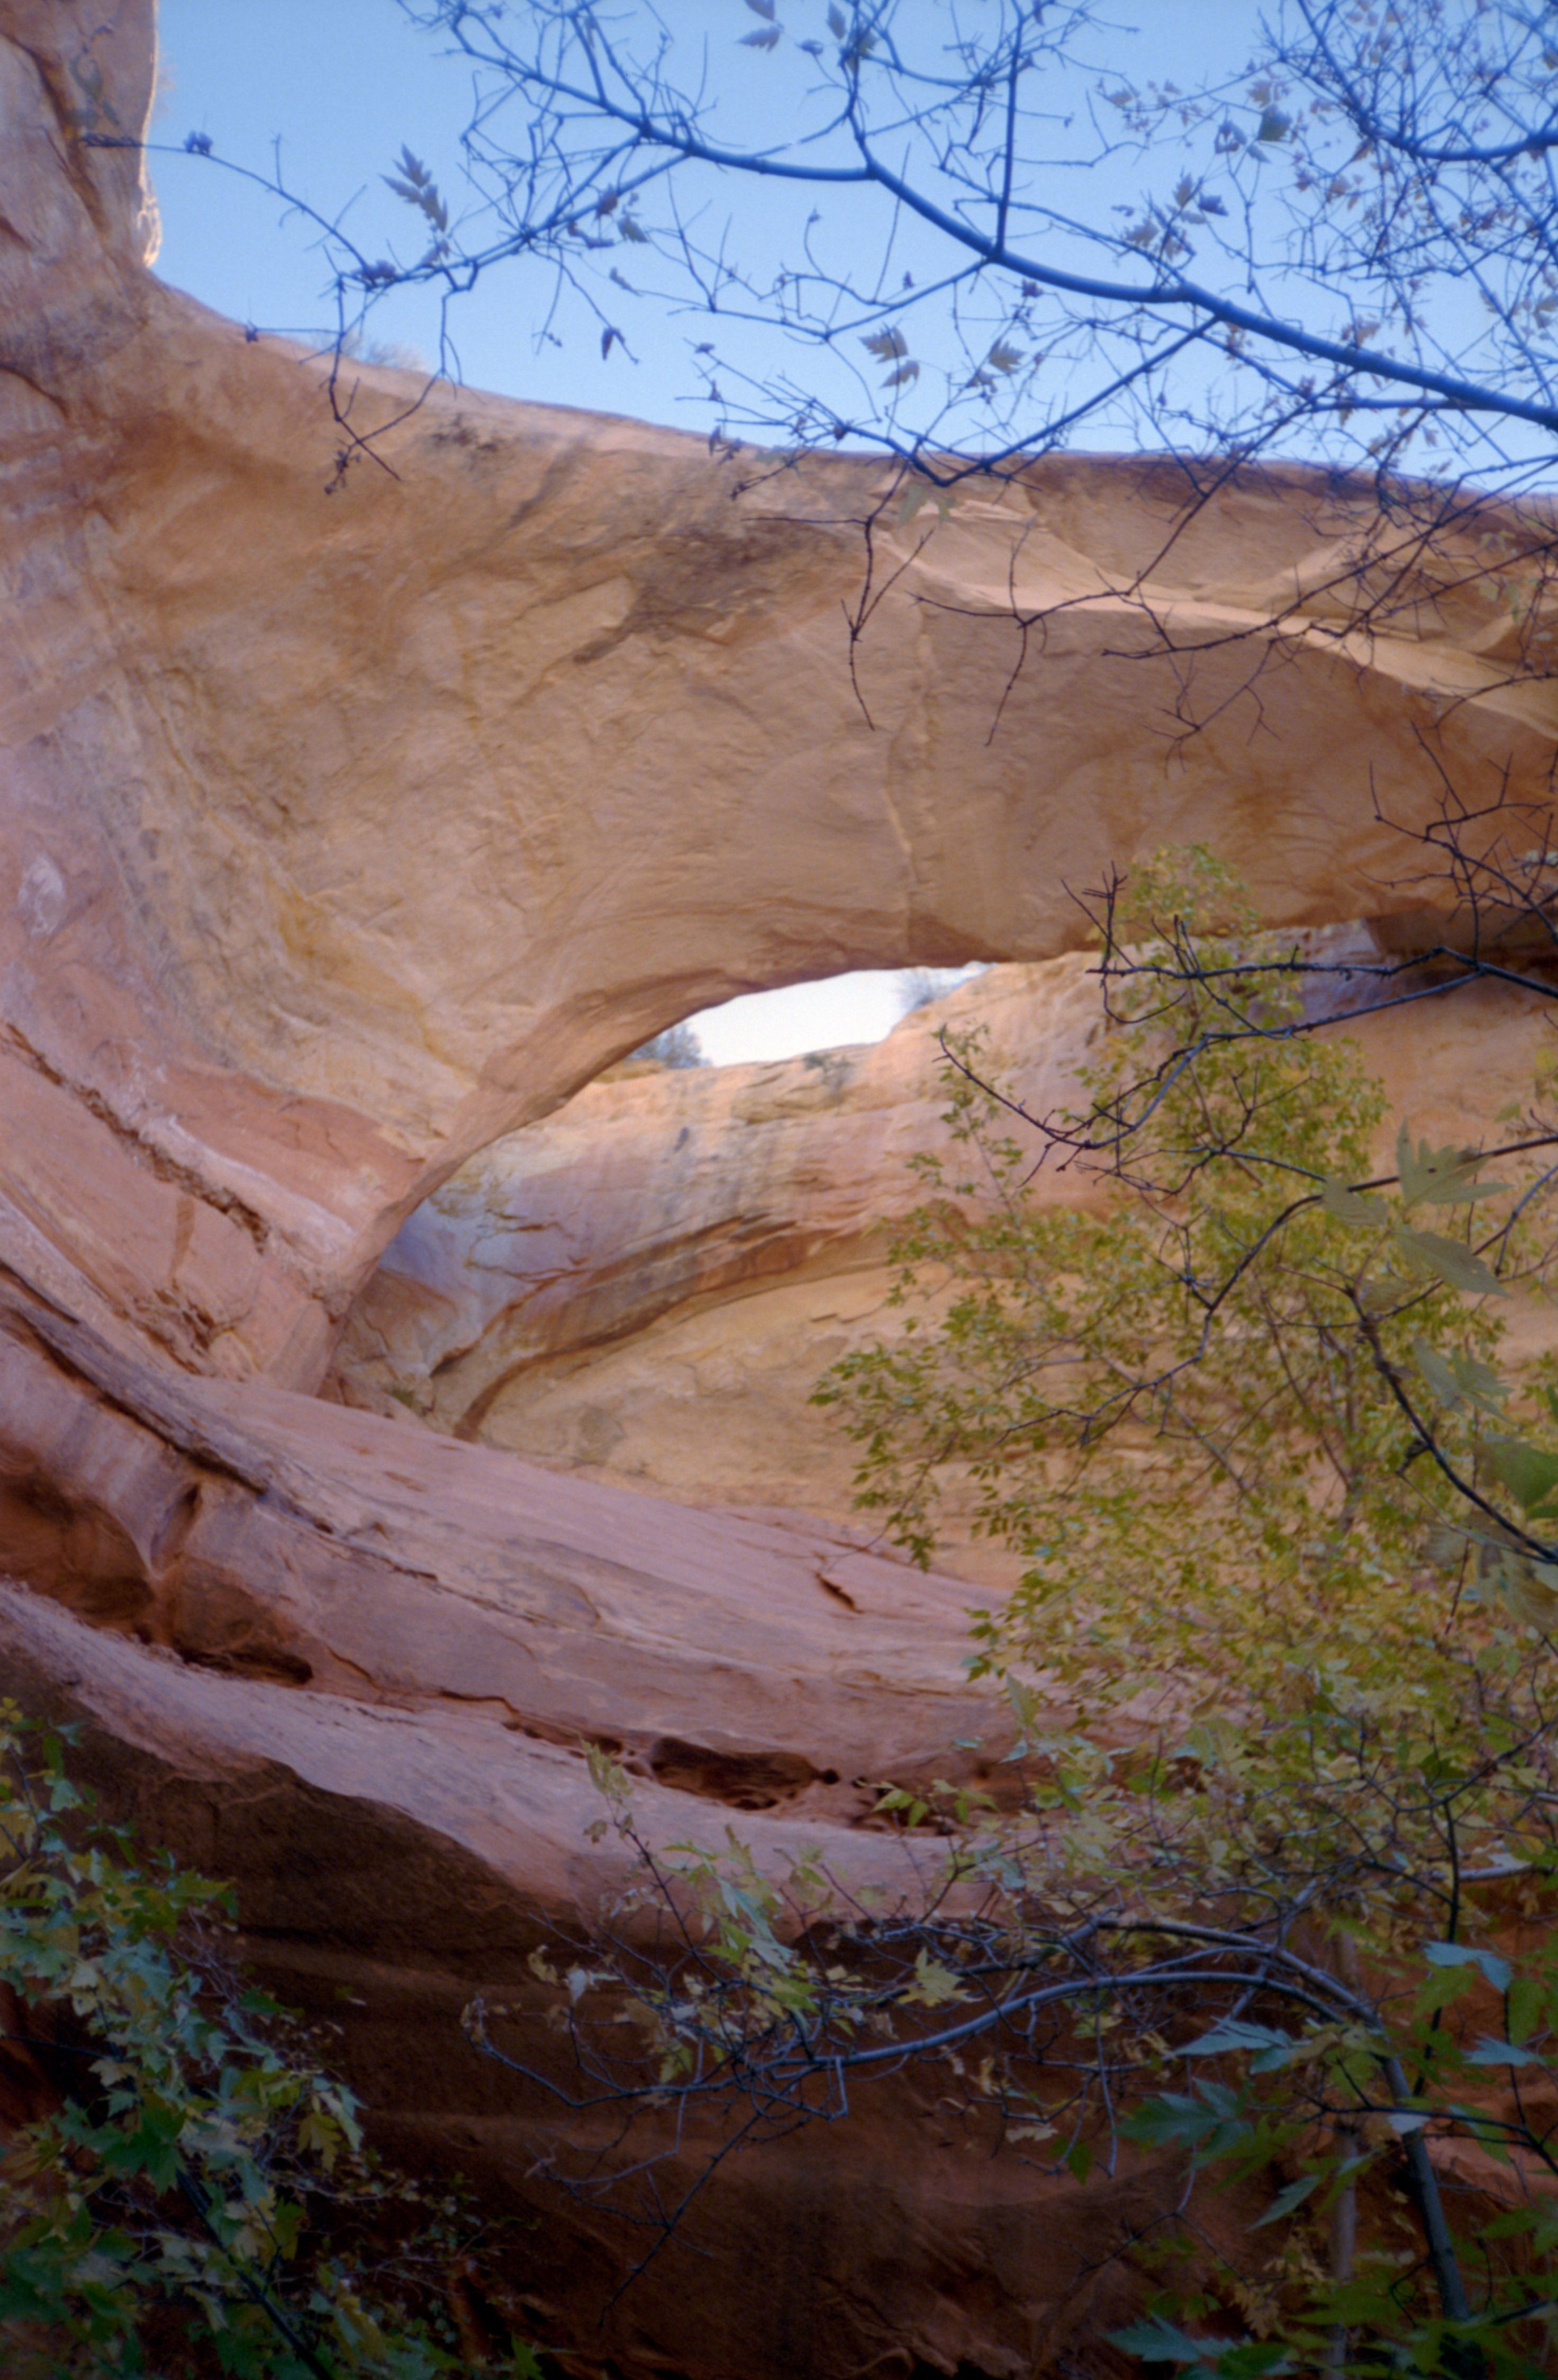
(700, 1227)
(645, 1287)
(828, 1013)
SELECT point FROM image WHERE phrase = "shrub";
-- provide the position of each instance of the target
(188, 2190)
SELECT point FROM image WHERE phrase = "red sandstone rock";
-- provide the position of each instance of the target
(645, 1287)
(340, 836)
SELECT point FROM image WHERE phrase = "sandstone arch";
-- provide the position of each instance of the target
(340, 833)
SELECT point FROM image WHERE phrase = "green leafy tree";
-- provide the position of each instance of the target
(1285, 1519)
(1201, 1416)
(192, 2193)
(1275, 1904)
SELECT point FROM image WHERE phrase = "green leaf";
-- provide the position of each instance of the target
(1382, 1291)
(1530, 1473)
(1270, 2049)
(1470, 1954)
(1352, 1207)
(1441, 1990)
(1529, 1588)
(152, 2147)
(1524, 2008)
(1448, 1260)
(1440, 1177)
(1480, 1384)
(1287, 2200)
(1490, 2052)
(1158, 2341)
(1441, 1380)
(1210, 2122)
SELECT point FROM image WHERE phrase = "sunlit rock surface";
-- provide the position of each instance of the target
(354, 815)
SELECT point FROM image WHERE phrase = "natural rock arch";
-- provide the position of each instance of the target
(348, 831)
(341, 832)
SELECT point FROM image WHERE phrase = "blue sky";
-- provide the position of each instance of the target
(333, 88)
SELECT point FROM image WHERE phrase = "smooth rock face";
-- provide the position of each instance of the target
(646, 1287)
(342, 833)
(346, 831)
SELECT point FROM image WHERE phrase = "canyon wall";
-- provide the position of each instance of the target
(646, 1288)
(365, 789)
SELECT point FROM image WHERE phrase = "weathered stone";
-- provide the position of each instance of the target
(646, 1287)
(351, 817)
(348, 831)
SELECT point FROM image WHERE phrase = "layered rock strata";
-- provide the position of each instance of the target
(646, 1288)
(353, 817)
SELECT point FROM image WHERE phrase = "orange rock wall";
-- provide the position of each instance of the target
(340, 834)
(646, 1287)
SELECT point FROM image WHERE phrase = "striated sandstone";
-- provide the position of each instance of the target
(340, 834)
(645, 1287)
(348, 831)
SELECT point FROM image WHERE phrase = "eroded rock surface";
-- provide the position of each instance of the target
(346, 831)
(646, 1287)
(342, 833)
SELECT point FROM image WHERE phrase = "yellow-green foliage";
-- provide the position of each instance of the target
(1288, 1576)
(198, 2200)
(1180, 1413)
